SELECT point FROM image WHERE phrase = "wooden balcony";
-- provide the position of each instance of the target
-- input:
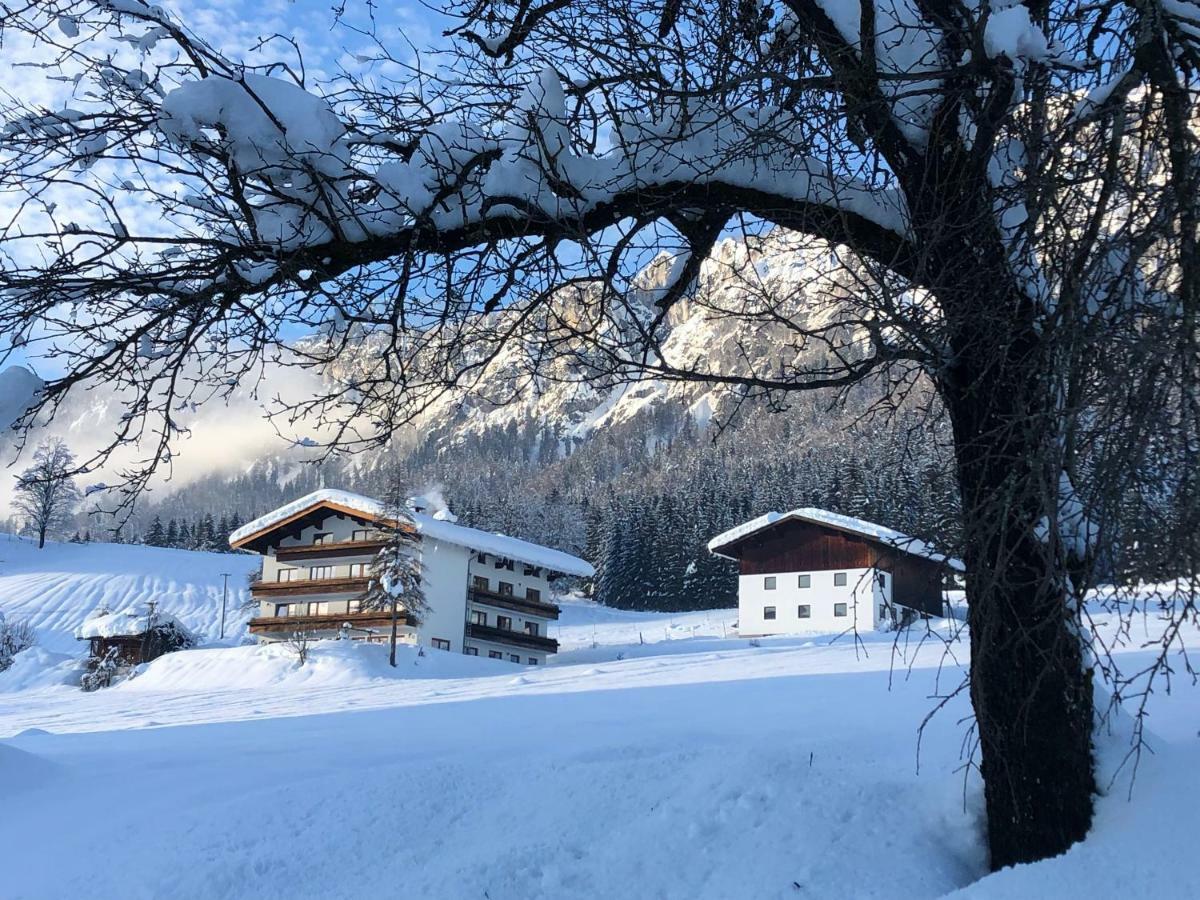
(308, 586)
(512, 638)
(332, 550)
(516, 604)
(375, 620)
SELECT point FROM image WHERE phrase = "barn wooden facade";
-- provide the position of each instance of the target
(810, 570)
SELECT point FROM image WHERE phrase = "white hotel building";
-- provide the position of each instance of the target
(487, 594)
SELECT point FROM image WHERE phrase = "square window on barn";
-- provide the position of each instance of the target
(804, 581)
(804, 611)
(839, 609)
(533, 661)
(839, 579)
(769, 583)
(768, 612)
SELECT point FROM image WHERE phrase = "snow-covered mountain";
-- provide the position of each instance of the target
(570, 403)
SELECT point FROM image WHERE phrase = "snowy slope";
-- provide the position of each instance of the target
(56, 588)
(643, 763)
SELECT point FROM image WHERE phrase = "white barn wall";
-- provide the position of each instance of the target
(862, 594)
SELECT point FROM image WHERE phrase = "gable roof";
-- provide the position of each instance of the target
(878, 533)
(125, 623)
(431, 526)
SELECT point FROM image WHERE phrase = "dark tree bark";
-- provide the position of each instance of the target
(1030, 689)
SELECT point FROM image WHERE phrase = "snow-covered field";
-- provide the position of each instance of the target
(659, 757)
(57, 587)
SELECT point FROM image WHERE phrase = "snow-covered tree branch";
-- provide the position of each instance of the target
(999, 197)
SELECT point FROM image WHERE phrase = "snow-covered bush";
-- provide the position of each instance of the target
(15, 636)
(101, 675)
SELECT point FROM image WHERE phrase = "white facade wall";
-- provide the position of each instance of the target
(444, 571)
(862, 594)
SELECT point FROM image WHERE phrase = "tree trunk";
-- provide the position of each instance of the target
(1031, 693)
(41, 538)
(395, 616)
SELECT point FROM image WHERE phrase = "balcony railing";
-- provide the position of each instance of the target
(310, 586)
(516, 604)
(332, 549)
(514, 638)
(330, 622)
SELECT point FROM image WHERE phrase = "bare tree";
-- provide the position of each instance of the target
(299, 642)
(396, 571)
(46, 494)
(1002, 198)
(16, 635)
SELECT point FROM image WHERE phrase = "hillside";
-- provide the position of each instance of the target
(55, 588)
(655, 758)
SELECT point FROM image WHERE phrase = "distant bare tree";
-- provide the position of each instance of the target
(15, 635)
(46, 494)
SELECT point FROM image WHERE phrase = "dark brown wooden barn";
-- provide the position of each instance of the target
(814, 540)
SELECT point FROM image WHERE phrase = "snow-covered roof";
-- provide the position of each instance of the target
(125, 623)
(866, 529)
(440, 529)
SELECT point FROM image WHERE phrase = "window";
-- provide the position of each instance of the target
(533, 661)
(323, 537)
(482, 557)
(440, 643)
(478, 617)
(883, 579)
(769, 583)
(804, 581)
(495, 654)
(479, 583)
(353, 606)
(533, 595)
(804, 611)
(471, 651)
(281, 609)
(504, 589)
(504, 623)
(839, 579)
(768, 612)
(512, 657)
(320, 572)
(839, 609)
(360, 534)
(319, 609)
(882, 611)
(531, 628)
(531, 571)
(359, 570)
(287, 575)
